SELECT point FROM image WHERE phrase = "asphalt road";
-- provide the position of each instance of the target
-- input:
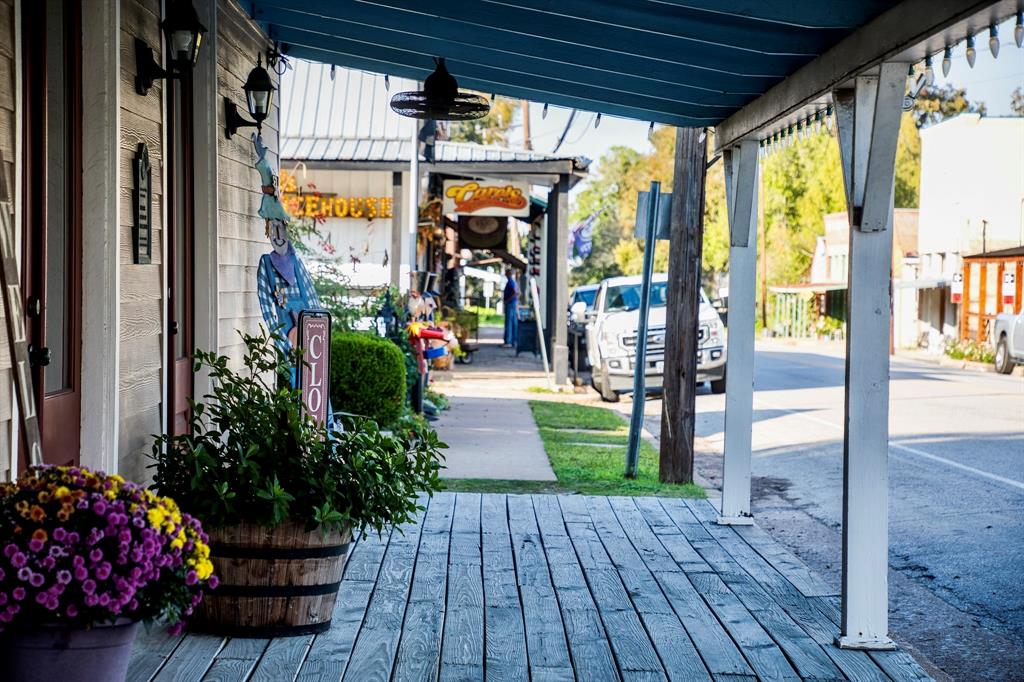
(956, 494)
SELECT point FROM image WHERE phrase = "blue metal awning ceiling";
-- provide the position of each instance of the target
(681, 62)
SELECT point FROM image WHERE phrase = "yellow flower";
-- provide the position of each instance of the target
(156, 517)
(60, 492)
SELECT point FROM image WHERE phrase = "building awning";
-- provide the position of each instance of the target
(746, 67)
(1010, 253)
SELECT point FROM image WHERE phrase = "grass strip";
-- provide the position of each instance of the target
(552, 415)
(580, 467)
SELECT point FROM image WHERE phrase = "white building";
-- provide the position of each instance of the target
(972, 202)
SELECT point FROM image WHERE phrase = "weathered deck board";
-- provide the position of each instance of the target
(419, 652)
(542, 587)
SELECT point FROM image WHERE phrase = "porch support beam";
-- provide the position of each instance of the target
(679, 401)
(741, 170)
(868, 120)
(557, 277)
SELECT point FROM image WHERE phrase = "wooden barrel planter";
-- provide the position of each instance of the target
(274, 582)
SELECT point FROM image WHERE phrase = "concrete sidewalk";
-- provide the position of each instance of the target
(492, 438)
(489, 429)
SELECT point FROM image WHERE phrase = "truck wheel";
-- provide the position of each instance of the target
(718, 386)
(609, 396)
(1003, 363)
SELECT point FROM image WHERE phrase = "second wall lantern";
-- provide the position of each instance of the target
(183, 33)
(259, 96)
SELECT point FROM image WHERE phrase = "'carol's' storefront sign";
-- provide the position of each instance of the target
(485, 197)
(313, 204)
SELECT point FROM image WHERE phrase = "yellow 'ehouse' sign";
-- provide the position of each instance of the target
(321, 205)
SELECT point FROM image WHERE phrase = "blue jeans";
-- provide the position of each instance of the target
(511, 322)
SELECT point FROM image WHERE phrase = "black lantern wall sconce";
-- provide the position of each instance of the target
(259, 95)
(183, 32)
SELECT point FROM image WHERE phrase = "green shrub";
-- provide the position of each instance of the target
(367, 377)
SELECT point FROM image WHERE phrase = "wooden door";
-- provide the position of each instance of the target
(180, 252)
(52, 225)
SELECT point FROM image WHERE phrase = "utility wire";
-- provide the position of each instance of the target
(568, 124)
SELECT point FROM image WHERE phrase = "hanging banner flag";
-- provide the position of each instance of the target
(956, 288)
(315, 341)
(582, 236)
(1009, 286)
(487, 197)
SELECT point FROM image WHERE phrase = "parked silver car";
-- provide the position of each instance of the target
(612, 336)
(1008, 339)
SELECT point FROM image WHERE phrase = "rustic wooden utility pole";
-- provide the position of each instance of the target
(685, 246)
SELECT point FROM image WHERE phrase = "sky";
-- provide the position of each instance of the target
(990, 81)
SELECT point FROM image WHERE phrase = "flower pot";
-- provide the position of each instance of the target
(54, 652)
(274, 582)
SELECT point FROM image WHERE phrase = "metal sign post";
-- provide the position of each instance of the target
(652, 203)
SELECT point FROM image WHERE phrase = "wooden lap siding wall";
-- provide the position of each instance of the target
(7, 128)
(241, 237)
(141, 300)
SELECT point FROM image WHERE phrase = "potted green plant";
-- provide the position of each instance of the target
(85, 557)
(281, 496)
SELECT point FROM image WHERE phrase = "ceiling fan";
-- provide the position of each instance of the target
(440, 99)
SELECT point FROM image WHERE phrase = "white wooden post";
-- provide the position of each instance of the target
(741, 195)
(868, 120)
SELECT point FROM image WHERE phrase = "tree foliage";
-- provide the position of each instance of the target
(801, 183)
(1017, 101)
(491, 129)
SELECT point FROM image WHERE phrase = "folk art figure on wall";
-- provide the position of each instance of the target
(284, 286)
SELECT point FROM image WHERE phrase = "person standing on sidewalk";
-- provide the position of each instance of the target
(510, 299)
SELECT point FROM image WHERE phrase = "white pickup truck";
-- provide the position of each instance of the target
(612, 336)
(1008, 339)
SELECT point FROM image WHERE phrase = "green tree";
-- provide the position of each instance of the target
(937, 104)
(491, 129)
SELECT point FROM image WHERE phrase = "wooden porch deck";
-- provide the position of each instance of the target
(554, 588)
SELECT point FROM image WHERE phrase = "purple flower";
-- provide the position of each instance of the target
(10, 549)
(71, 611)
(213, 582)
(91, 600)
(191, 578)
(42, 598)
(104, 599)
(52, 604)
(37, 580)
(18, 560)
(103, 571)
(100, 507)
(59, 534)
(77, 561)
(24, 574)
(63, 577)
(89, 586)
(81, 573)
(18, 593)
(35, 545)
(96, 555)
(175, 629)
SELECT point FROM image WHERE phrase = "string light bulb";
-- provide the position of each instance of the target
(493, 97)
(929, 72)
(387, 83)
(332, 72)
(829, 119)
(972, 54)
(544, 111)
(597, 121)
(993, 40)
(650, 130)
(947, 61)
(1018, 30)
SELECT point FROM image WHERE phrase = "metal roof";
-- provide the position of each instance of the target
(745, 64)
(342, 115)
(345, 149)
